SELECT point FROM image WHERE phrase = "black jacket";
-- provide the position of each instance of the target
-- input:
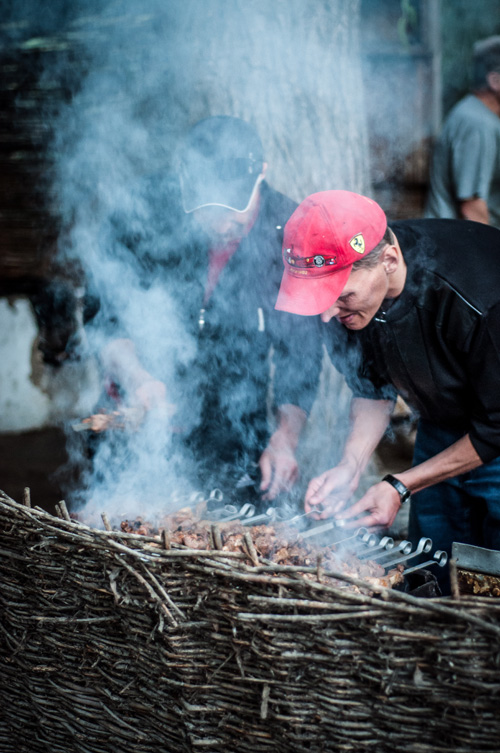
(241, 328)
(438, 344)
(222, 386)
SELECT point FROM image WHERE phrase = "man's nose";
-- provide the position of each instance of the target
(330, 313)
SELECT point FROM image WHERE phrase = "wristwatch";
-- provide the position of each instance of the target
(402, 490)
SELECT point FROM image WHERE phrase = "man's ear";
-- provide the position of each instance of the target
(493, 79)
(390, 259)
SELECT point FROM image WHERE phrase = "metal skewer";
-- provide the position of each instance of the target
(323, 528)
(440, 558)
(424, 545)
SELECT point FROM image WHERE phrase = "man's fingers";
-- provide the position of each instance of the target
(367, 522)
(335, 505)
(275, 488)
(315, 515)
(356, 509)
(351, 519)
(309, 507)
(279, 471)
(374, 516)
(321, 498)
(285, 475)
(315, 491)
(265, 471)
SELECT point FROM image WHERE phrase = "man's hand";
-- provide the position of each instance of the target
(380, 503)
(330, 492)
(278, 466)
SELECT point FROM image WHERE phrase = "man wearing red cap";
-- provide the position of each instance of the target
(412, 310)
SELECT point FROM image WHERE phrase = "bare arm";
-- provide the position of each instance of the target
(278, 464)
(460, 457)
(381, 502)
(476, 210)
(332, 489)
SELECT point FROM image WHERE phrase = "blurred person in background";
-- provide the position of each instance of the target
(211, 236)
(465, 171)
(238, 221)
(413, 310)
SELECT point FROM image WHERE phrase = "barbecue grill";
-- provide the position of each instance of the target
(111, 641)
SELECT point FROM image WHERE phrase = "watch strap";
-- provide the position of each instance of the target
(402, 490)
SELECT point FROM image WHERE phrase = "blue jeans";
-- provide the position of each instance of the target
(465, 508)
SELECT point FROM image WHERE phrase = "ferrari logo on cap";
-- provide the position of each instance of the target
(358, 243)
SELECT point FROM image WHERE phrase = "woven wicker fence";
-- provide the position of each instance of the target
(111, 642)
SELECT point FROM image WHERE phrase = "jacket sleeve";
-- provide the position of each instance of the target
(484, 384)
(297, 359)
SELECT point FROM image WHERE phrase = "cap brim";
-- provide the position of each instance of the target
(235, 195)
(310, 296)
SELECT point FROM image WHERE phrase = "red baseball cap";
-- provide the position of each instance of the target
(326, 234)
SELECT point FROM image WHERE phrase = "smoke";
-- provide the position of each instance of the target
(109, 135)
(133, 77)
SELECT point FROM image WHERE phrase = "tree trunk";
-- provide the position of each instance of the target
(293, 69)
